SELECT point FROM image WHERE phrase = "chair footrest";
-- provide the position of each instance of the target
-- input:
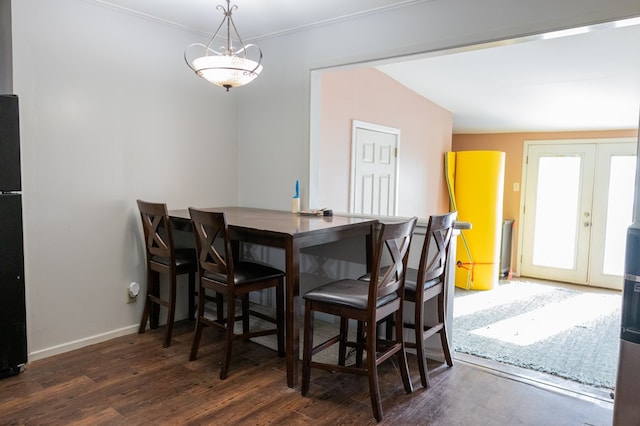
(262, 316)
(156, 299)
(428, 330)
(362, 371)
(256, 334)
(325, 345)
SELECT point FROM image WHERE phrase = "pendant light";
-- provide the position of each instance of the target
(227, 65)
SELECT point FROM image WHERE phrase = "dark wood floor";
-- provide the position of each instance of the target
(133, 380)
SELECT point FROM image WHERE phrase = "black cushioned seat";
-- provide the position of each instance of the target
(412, 277)
(247, 272)
(347, 293)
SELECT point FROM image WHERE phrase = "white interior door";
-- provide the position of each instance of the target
(374, 169)
(578, 203)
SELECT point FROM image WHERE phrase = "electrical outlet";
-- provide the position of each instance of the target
(130, 298)
(132, 292)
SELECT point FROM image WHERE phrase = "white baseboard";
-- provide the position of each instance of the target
(81, 343)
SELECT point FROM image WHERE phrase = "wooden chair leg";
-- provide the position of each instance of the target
(372, 370)
(147, 306)
(154, 308)
(192, 295)
(280, 321)
(445, 347)
(360, 339)
(228, 343)
(419, 337)
(219, 307)
(245, 314)
(171, 312)
(307, 348)
(443, 331)
(402, 354)
(389, 327)
(344, 334)
(199, 325)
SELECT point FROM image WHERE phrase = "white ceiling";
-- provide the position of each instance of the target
(589, 81)
(581, 82)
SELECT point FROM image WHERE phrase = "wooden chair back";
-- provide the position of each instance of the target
(435, 249)
(157, 230)
(211, 228)
(393, 243)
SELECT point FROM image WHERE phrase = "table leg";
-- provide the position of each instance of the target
(292, 254)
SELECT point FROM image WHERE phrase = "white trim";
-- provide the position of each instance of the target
(81, 343)
(576, 141)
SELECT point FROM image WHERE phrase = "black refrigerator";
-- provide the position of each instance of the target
(13, 322)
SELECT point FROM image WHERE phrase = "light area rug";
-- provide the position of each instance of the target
(557, 330)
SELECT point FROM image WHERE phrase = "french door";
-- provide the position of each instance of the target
(578, 203)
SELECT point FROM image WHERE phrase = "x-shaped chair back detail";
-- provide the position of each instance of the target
(155, 221)
(210, 228)
(393, 243)
(433, 258)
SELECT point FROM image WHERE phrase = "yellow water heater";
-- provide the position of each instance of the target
(476, 187)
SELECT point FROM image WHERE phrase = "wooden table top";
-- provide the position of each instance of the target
(278, 221)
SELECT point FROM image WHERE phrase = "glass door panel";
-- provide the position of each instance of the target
(613, 211)
(557, 212)
(557, 205)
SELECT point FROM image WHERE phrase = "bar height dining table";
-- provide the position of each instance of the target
(292, 232)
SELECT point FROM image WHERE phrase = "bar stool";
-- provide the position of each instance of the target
(230, 279)
(428, 282)
(163, 258)
(366, 304)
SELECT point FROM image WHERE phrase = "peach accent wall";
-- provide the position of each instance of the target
(513, 145)
(366, 94)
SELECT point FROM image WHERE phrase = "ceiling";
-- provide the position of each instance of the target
(589, 81)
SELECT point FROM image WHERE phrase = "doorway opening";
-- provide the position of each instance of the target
(559, 321)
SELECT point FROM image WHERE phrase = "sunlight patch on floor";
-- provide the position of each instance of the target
(478, 301)
(550, 320)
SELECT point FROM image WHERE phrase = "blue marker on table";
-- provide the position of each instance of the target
(295, 202)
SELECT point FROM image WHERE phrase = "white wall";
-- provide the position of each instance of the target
(102, 91)
(274, 134)
(426, 131)
(6, 82)
(109, 113)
